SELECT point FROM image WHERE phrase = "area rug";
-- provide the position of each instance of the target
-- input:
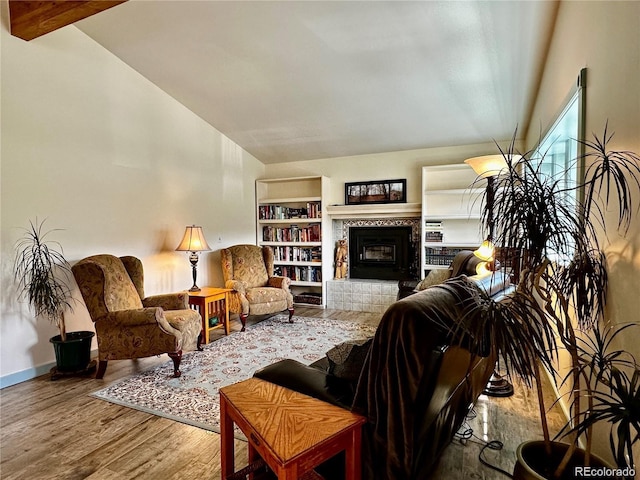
(193, 398)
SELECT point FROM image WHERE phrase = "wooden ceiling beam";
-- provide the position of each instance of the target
(31, 19)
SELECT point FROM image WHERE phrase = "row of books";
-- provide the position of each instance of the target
(293, 233)
(440, 255)
(281, 212)
(297, 254)
(433, 231)
(430, 236)
(301, 274)
(429, 225)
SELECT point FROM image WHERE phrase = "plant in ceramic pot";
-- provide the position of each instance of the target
(547, 231)
(42, 275)
(611, 379)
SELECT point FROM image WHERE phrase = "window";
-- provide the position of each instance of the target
(560, 158)
(560, 153)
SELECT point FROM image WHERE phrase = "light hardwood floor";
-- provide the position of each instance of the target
(55, 430)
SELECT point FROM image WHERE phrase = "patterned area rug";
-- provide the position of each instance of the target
(193, 398)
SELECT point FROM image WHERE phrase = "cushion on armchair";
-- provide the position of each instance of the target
(435, 277)
(246, 262)
(346, 359)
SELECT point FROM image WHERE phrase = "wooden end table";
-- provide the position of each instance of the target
(291, 432)
(211, 302)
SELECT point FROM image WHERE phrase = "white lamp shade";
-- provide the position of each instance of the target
(485, 251)
(193, 240)
(490, 165)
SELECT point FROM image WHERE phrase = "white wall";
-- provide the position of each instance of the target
(604, 37)
(99, 151)
(382, 166)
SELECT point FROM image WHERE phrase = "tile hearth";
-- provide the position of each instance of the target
(361, 295)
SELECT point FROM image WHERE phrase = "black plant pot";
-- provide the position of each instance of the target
(532, 463)
(73, 354)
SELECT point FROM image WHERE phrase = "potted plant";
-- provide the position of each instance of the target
(611, 379)
(547, 233)
(42, 275)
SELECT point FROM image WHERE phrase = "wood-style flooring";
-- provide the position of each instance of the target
(55, 430)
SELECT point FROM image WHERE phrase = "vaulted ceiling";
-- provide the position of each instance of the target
(290, 80)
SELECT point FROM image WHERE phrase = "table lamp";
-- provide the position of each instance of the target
(194, 242)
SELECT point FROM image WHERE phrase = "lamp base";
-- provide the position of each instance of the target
(195, 288)
(498, 386)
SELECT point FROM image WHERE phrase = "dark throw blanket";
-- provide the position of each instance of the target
(400, 375)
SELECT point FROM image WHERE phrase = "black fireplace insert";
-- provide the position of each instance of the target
(383, 253)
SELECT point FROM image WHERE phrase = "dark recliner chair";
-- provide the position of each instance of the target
(415, 387)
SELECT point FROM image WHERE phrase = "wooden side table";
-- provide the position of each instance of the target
(292, 432)
(211, 302)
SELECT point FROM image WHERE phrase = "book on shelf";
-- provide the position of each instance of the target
(282, 212)
(290, 253)
(292, 233)
(432, 225)
(440, 255)
(432, 236)
(299, 273)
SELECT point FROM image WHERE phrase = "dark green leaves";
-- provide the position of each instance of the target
(42, 273)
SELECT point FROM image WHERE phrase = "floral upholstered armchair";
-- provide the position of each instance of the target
(248, 270)
(128, 325)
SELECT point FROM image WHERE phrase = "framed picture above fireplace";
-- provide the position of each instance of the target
(377, 191)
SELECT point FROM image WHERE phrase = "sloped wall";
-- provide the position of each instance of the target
(119, 165)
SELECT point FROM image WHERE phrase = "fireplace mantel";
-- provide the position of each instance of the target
(383, 210)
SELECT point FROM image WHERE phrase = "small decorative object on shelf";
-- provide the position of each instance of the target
(342, 252)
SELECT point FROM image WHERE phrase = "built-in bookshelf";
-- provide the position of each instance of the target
(451, 202)
(290, 220)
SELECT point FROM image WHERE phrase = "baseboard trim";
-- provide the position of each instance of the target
(30, 373)
(559, 398)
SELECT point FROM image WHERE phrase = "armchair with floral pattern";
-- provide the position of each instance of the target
(128, 324)
(248, 270)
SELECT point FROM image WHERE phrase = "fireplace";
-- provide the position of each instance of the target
(383, 253)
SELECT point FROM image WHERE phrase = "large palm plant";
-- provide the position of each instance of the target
(547, 231)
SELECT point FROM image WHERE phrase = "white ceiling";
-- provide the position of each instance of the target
(290, 80)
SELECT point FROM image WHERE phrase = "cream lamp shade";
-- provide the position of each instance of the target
(194, 242)
(490, 165)
(485, 251)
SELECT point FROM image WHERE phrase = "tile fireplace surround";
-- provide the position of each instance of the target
(361, 295)
(365, 295)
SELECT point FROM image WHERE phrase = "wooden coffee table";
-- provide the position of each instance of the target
(291, 432)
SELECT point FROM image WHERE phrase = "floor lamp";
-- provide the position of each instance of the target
(489, 167)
